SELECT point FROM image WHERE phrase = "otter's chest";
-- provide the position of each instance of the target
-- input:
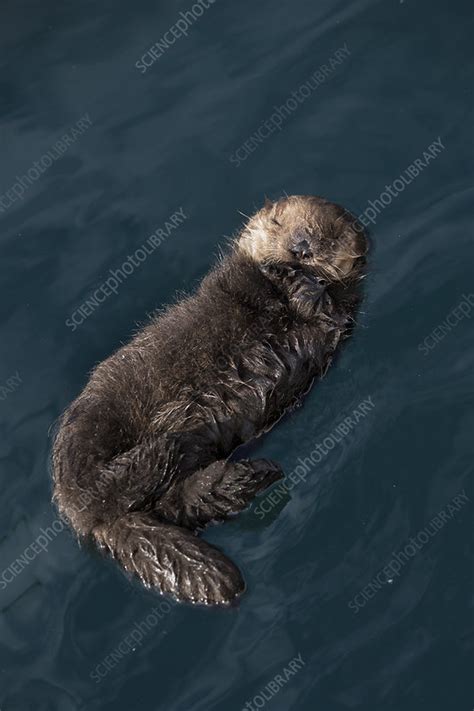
(273, 374)
(260, 382)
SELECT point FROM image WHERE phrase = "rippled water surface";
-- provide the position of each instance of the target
(379, 622)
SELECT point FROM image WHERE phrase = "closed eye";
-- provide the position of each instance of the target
(275, 221)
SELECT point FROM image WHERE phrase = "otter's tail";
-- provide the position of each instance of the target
(170, 559)
(109, 496)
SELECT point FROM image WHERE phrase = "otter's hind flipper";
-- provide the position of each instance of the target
(171, 559)
(217, 492)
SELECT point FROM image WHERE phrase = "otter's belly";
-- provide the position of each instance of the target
(266, 381)
(248, 394)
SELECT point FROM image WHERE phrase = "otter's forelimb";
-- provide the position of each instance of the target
(303, 288)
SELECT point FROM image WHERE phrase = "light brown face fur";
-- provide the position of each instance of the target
(307, 231)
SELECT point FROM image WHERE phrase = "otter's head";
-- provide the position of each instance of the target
(306, 231)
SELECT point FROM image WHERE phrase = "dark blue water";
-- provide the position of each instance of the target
(379, 622)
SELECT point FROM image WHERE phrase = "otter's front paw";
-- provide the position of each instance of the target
(308, 289)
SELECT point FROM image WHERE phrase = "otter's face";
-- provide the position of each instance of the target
(306, 231)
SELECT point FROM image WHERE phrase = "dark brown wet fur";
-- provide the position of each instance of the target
(140, 460)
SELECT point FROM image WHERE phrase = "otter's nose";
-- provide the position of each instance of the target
(302, 250)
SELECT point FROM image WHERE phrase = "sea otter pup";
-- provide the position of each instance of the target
(141, 457)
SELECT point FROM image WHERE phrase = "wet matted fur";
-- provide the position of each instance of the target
(141, 457)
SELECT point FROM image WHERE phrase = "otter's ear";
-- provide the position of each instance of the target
(268, 204)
